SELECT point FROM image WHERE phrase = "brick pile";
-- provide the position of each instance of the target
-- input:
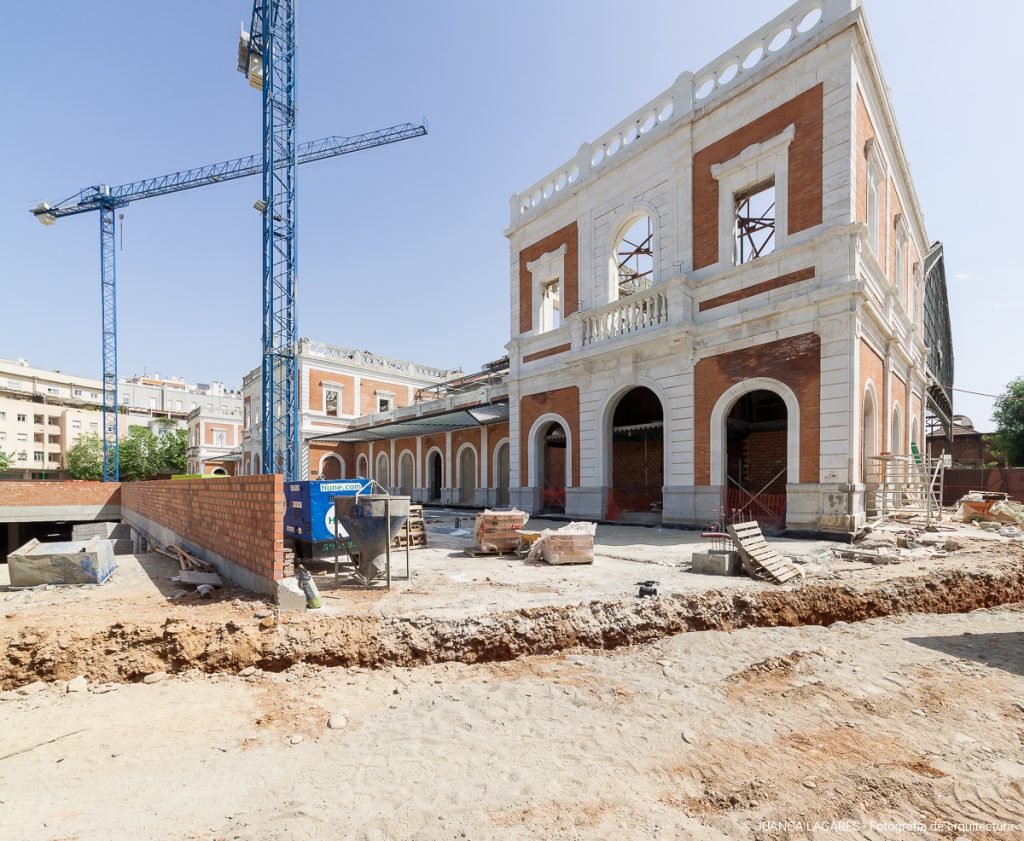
(498, 531)
(568, 548)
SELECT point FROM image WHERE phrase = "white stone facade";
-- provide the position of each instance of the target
(825, 292)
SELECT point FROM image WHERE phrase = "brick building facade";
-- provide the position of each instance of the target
(717, 303)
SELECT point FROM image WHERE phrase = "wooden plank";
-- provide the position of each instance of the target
(191, 576)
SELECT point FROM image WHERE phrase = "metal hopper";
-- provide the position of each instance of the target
(365, 517)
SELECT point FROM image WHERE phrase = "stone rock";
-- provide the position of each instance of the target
(77, 684)
(296, 739)
(688, 737)
(248, 670)
(952, 545)
(337, 721)
(810, 784)
(154, 677)
(267, 622)
(263, 614)
(103, 688)
(31, 688)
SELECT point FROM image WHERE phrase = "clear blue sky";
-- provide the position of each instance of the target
(402, 251)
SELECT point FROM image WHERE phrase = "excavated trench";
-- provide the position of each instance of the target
(127, 652)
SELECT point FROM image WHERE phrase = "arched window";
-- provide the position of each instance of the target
(382, 471)
(633, 260)
(362, 467)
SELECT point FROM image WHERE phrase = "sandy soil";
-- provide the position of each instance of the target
(758, 733)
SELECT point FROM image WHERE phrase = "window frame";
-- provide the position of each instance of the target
(757, 164)
(544, 270)
(337, 389)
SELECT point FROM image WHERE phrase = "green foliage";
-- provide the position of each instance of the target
(1008, 441)
(143, 455)
(137, 454)
(174, 451)
(5, 461)
(85, 458)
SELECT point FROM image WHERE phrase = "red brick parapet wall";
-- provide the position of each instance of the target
(44, 493)
(239, 518)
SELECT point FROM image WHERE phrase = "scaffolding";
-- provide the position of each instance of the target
(906, 486)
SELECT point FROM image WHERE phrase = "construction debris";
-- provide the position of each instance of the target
(417, 530)
(186, 560)
(758, 558)
(989, 507)
(68, 562)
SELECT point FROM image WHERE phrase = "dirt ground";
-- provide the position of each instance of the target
(908, 727)
(258, 724)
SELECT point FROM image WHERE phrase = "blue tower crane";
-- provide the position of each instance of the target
(105, 200)
(266, 56)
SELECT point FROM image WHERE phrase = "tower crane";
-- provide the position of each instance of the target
(105, 200)
(266, 56)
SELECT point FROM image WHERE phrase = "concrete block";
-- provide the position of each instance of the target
(289, 595)
(716, 562)
(70, 562)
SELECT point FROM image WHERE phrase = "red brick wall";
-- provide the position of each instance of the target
(568, 237)
(239, 518)
(805, 112)
(795, 362)
(316, 391)
(564, 402)
(368, 394)
(756, 289)
(764, 455)
(71, 492)
(865, 132)
(638, 464)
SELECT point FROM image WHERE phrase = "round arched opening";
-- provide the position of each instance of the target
(382, 477)
(633, 258)
(757, 459)
(330, 467)
(434, 476)
(362, 467)
(637, 459)
(502, 475)
(553, 452)
(467, 476)
(406, 474)
(219, 471)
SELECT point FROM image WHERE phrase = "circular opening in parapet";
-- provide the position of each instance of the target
(614, 146)
(780, 40)
(631, 135)
(665, 112)
(574, 173)
(598, 157)
(810, 19)
(525, 207)
(753, 58)
(549, 189)
(728, 74)
(705, 88)
(649, 123)
(535, 198)
(561, 182)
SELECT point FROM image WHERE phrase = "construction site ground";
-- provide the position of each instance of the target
(492, 698)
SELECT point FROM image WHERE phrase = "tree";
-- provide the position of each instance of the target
(5, 461)
(173, 451)
(138, 454)
(1008, 441)
(85, 458)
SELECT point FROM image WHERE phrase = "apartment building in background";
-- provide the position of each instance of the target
(43, 413)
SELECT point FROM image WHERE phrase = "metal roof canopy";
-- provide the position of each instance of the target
(441, 422)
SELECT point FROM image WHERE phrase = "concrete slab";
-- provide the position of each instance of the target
(69, 562)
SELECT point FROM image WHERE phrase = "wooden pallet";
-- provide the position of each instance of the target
(758, 558)
(417, 530)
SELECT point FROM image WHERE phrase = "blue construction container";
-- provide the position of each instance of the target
(309, 507)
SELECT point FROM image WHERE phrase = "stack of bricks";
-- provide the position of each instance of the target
(498, 531)
(568, 548)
